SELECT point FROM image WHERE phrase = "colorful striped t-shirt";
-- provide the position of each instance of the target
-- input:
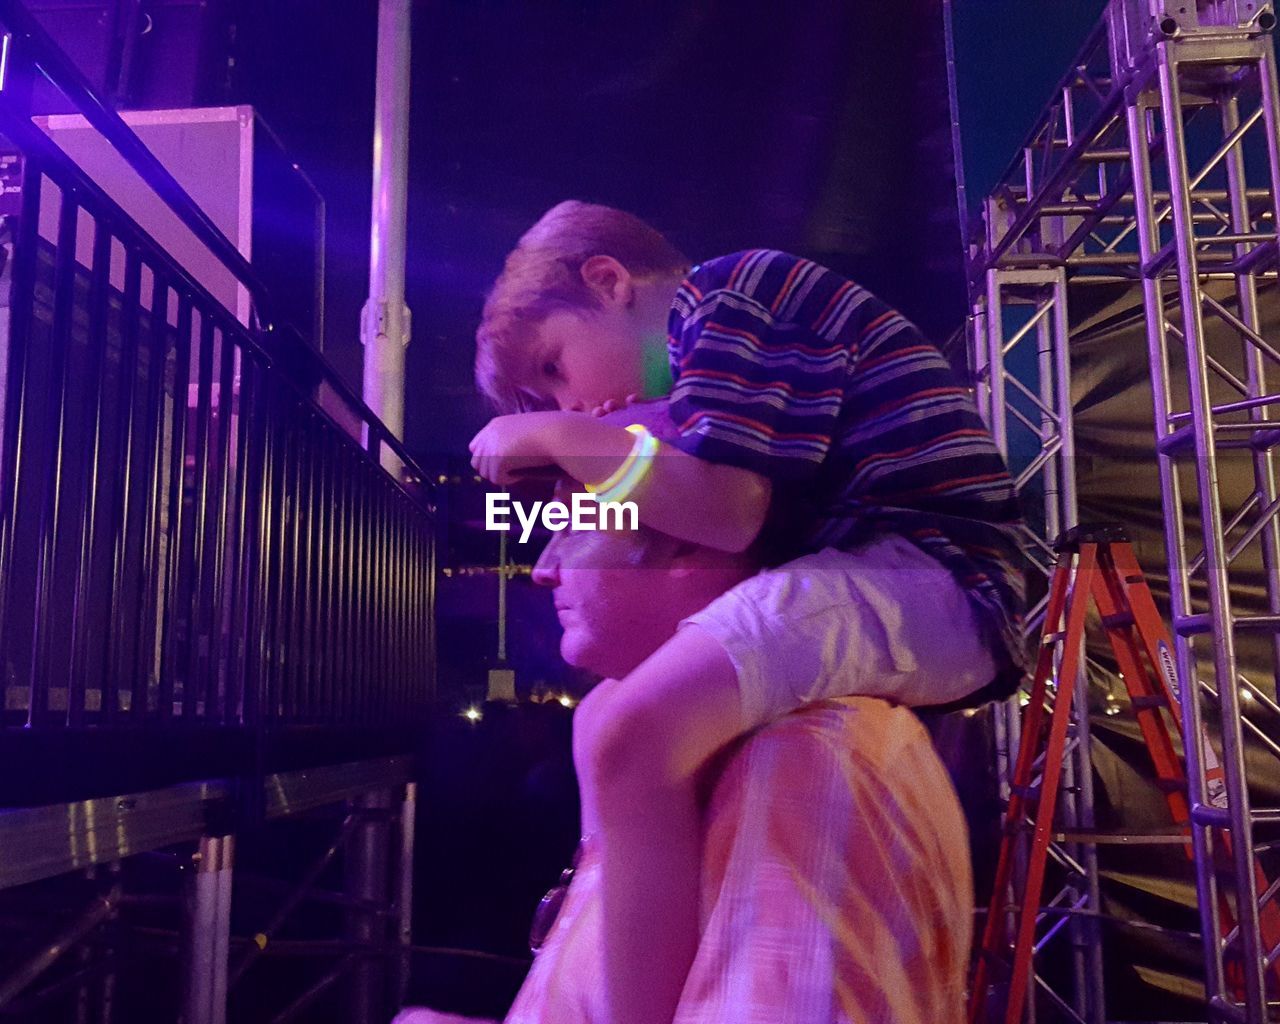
(786, 368)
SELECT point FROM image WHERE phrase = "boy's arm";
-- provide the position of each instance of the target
(717, 506)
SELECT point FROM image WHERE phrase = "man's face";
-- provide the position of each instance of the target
(614, 612)
(581, 359)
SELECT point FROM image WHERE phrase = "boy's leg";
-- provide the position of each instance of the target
(884, 621)
(638, 746)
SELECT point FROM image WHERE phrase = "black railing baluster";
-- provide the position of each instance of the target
(146, 641)
(351, 632)
(306, 604)
(399, 559)
(177, 580)
(194, 692)
(360, 596)
(216, 704)
(378, 521)
(256, 584)
(125, 591)
(292, 675)
(243, 532)
(323, 640)
(277, 514)
(45, 614)
(85, 663)
(18, 424)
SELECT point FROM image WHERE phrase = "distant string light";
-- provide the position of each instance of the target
(472, 714)
(566, 700)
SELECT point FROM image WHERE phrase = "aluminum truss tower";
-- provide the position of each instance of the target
(1158, 162)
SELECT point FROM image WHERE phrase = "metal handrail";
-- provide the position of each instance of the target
(37, 47)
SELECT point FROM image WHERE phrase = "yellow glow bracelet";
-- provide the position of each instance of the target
(615, 478)
(639, 469)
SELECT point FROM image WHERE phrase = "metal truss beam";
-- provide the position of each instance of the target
(1158, 161)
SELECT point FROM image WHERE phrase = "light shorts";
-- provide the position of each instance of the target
(886, 620)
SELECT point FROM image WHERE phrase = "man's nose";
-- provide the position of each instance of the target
(546, 571)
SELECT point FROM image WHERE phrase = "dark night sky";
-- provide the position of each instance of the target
(824, 132)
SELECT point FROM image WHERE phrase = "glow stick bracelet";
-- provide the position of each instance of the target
(614, 478)
(647, 446)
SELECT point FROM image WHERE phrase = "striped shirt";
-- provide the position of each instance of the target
(786, 368)
(835, 885)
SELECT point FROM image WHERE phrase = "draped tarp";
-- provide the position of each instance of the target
(1117, 477)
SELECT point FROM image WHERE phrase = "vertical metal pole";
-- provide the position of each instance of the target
(1138, 115)
(1007, 719)
(209, 931)
(998, 422)
(502, 598)
(1267, 476)
(367, 881)
(384, 323)
(1206, 468)
(1094, 998)
(1060, 514)
(404, 895)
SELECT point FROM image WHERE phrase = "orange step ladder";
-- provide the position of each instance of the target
(1106, 571)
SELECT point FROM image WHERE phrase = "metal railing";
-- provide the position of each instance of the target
(187, 538)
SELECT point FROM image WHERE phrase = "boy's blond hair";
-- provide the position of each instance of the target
(543, 274)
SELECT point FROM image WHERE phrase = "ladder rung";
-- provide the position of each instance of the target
(1118, 620)
(1102, 838)
(1171, 785)
(1145, 703)
(1028, 792)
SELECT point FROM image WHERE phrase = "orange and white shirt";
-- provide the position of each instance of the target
(835, 885)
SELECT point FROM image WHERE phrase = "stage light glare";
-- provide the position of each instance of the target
(472, 714)
(1246, 693)
(566, 700)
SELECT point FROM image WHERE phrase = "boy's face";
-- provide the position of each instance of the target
(583, 358)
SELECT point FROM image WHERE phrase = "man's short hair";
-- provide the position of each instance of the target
(543, 274)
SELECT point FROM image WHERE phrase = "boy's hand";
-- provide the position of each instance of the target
(610, 405)
(511, 448)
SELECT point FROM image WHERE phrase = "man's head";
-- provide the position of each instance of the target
(620, 594)
(578, 315)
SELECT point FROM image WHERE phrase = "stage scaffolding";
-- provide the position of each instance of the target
(1156, 162)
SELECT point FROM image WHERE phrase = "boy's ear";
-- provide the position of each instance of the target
(609, 279)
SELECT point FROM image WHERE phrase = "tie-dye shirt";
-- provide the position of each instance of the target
(786, 368)
(835, 885)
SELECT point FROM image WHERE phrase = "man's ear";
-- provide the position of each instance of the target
(684, 559)
(610, 280)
